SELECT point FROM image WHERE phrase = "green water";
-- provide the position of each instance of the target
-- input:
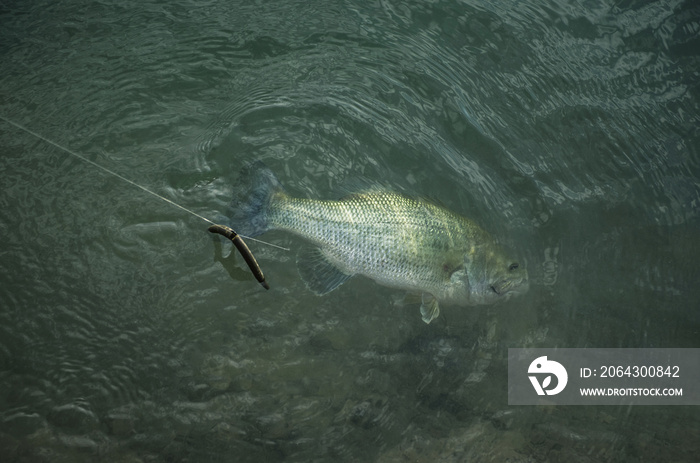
(569, 130)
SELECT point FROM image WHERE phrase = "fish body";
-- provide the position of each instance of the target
(398, 241)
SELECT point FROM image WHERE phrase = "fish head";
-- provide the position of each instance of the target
(491, 275)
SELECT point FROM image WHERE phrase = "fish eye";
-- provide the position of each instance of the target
(513, 266)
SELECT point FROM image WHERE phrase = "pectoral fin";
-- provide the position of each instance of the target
(429, 309)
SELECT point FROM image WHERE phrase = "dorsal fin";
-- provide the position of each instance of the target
(357, 185)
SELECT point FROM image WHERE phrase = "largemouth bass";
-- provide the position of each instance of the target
(398, 241)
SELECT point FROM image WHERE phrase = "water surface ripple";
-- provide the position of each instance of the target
(570, 130)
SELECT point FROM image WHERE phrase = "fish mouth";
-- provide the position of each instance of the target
(505, 287)
(501, 287)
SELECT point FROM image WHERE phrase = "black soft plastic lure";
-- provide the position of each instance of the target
(243, 249)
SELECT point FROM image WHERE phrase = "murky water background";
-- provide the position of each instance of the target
(568, 129)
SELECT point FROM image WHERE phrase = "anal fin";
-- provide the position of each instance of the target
(409, 298)
(319, 274)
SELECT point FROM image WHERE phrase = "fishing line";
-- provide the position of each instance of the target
(104, 169)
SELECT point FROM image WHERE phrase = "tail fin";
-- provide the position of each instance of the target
(250, 204)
